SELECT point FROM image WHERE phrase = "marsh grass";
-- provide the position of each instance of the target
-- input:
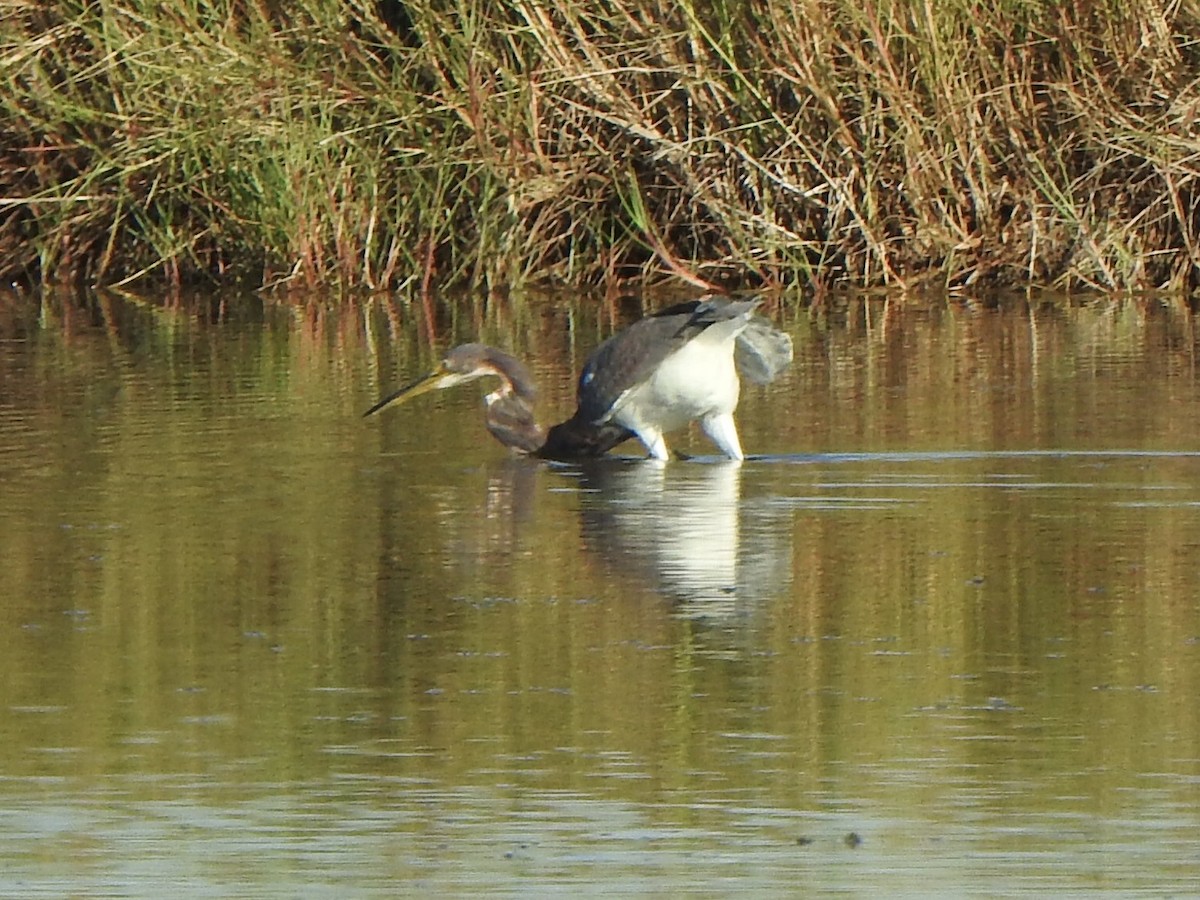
(473, 142)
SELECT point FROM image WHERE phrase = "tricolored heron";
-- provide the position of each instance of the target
(659, 374)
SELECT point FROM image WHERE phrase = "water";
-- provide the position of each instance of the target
(940, 636)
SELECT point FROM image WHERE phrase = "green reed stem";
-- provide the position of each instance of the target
(478, 142)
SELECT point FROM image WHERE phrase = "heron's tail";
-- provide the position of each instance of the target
(762, 351)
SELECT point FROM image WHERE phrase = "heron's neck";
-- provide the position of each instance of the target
(511, 420)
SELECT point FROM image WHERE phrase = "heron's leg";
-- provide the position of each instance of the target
(652, 438)
(723, 432)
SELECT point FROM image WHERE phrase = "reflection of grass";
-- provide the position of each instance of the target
(491, 143)
(228, 562)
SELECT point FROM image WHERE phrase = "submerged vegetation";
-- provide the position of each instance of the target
(454, 142)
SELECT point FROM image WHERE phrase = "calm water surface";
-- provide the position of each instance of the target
(939, 636)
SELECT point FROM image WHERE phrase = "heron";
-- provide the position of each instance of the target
(662, 372)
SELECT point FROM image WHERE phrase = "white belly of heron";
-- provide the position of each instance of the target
(698, 381)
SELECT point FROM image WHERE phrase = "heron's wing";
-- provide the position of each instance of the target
(630, 357)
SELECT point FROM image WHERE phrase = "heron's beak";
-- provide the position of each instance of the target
(438, 378)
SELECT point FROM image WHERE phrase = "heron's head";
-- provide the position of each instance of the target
(464, 363)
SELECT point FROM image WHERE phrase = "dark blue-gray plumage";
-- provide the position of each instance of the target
(664, 371)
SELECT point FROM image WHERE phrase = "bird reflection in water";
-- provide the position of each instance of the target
(664, 371)
(686, 532)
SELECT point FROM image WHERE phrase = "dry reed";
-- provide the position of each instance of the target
(475, 142)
